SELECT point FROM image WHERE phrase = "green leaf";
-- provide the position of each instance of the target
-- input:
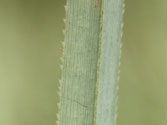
(90, 62)
(109, 62)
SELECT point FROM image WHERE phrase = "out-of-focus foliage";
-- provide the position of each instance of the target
(143, 83)
(30, 47)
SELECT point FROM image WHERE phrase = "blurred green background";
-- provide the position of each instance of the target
(143, 83)
(30, 48)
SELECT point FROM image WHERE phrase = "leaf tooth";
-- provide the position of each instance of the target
(118, 78)
(120, 55)
(116, 114)
(60, 81)
(58, 105)
(65, 7)
(57, 122)
(121, 46)
(63, 44)
(123, 6)
(122, 25)
(58, 116)
(63, 31)
(59, 88)
(64, 20)
(61, 59)
(61, 67)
